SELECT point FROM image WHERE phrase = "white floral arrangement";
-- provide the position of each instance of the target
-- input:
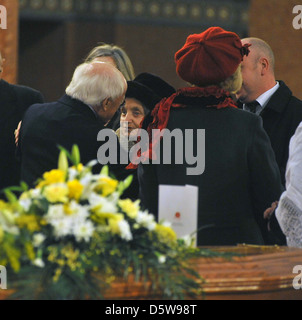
(73, 234)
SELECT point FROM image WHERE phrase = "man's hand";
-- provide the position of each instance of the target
(269, 211)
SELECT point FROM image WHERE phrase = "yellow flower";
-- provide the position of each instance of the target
(165, 233)
(56, 193)
(113, 223)
(129, 207)
(101, 217)
(53, 253)
(75, 189)
(51, 177)
(24, 196)
(2, 205)
(54, 176)
(30, 222)
(79, 167)
(7, 210)
(106, 185)
(71, 256)
(67, 209)
(57, 275)
(8, 215)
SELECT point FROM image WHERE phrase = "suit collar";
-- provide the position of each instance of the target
(279, 99)
(79, 106)
(264, 98)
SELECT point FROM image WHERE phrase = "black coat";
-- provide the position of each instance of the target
(14, 101)
(241, 177)
(63, 123)
(281, 117)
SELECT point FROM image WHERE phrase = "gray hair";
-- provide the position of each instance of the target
(93, 82)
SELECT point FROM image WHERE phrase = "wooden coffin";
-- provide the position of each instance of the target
(260, 272)
(255, 273)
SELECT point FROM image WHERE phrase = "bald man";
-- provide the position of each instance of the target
(272, 100)
(14, 101)
(94, 94)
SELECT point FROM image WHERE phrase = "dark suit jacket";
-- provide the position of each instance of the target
(281, 117)
(63, 123)
(241, 177)
(14, 101)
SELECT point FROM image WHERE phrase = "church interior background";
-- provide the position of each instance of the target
(46, 39)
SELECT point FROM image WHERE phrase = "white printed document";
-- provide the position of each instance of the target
(179, 206)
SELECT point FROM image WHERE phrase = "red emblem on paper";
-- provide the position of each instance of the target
(177, 215)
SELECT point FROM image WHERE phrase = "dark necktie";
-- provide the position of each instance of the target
(252, 106)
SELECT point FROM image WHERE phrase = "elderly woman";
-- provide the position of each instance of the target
(142, 94)
(240, 177)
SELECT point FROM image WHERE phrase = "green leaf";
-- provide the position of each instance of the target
(65, 150)
(123, 185)
(24, 186)
(105, 170)
(11, 197)
(63, 161)
(75, 155)
(14, 188)
(128, 181)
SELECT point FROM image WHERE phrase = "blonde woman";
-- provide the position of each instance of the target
(113, 54)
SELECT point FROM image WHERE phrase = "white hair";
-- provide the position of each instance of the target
(94, 82)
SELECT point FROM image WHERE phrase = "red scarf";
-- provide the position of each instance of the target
(161, 112)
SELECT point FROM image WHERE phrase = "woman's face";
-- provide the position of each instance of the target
(132, 113)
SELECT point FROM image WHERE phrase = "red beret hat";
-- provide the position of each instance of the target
(210, 57)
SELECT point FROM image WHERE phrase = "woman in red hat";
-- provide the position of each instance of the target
(240, 177)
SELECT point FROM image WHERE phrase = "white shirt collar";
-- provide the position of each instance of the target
(264, 98)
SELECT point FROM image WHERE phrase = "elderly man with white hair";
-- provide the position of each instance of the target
(93, 96)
